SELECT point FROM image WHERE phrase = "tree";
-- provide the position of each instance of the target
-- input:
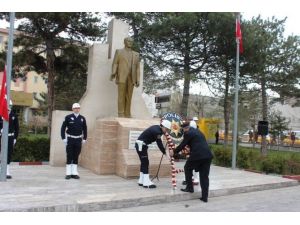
(41, 41)
(221, 72)
(278, 124)
(273, 61)
(180, 45)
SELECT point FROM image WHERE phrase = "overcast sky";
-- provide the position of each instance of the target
(248, 8)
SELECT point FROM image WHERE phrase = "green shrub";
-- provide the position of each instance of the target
(243, 159)
(31, 149)
(273, 165)
(222, 157)
(278, 162)
(254, 159)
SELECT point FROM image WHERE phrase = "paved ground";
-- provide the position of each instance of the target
(275, 200)
(43, 188)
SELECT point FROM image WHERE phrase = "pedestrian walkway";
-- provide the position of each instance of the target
(43, 188)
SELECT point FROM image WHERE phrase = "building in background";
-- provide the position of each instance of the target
(292, 113)
(27, 91)
(199, 106)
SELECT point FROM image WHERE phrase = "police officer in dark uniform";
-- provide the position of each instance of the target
(148, 136)
(200, 159)
(74, 134)
(13, 133)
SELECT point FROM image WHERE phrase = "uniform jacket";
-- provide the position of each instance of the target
(74, 126)
(199, 148)
(13, 124)
(152, 134)
(121, 66)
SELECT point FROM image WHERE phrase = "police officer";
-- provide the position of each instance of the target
(73, 134)
(195, 177)
(148, 136)
(200, 159)
(13, 132)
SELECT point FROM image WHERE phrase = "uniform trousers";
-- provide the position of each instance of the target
(143, 155)
(73, 150)
(203, 166)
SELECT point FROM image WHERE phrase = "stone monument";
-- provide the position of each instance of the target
(109, 148)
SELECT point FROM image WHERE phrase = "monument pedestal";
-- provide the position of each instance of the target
(107, 150)
(110, 149)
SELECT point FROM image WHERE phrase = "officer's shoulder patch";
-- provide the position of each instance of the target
(81, 119)
(13, 118)
(72, 118)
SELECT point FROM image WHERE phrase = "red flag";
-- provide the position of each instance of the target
(238, 35)
(3, 98)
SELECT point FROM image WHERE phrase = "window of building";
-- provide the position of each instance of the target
(35, 79)
(161, 99)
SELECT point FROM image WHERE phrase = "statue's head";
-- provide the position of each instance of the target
(128, 42)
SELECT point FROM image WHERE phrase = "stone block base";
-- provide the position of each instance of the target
(108, 150)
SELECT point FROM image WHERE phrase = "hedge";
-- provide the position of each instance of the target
(28, 149)
(278, 162)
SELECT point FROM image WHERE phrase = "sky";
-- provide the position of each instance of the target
(248, 8)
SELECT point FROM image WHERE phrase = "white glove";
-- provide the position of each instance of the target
(65, 141)
(83, 141)
(15, 141)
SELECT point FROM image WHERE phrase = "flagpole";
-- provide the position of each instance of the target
(4, 141)
(236, 100)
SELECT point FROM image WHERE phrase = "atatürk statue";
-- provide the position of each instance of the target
(126, 71)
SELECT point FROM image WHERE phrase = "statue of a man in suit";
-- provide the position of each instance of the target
(126, 71)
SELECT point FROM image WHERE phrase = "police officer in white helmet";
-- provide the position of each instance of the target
(13, 133)
(151, 134)
(73, 134)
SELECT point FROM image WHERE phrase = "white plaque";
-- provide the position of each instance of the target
(133, 136)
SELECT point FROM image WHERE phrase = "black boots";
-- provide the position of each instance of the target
(203, 199)
(68, 177)
(75, 176)
(191, 190)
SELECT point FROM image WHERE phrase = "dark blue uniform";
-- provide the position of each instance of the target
(148, 136)
(13, 133)
(199, 160)
(75, 128)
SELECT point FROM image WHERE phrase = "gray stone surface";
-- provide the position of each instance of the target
(275, 200)
(43, 188)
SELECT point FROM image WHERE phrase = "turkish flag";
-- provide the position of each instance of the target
(3, 98)
(238, 35)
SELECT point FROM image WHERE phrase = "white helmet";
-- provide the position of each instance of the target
(195, 118)
(166, 124)
(193, 124)
(75, 105)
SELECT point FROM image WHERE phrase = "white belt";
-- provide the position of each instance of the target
(140, 144)
(72, 136)
(11, 134)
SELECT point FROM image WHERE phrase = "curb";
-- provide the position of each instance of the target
(30, 163)
(293, 177)
(164, 198)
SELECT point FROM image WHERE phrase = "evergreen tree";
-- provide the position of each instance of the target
(44, 37)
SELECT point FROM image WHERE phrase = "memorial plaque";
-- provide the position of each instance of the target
(133, 136)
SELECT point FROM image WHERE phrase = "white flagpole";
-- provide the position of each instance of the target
(4, 141)
(236, 99)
